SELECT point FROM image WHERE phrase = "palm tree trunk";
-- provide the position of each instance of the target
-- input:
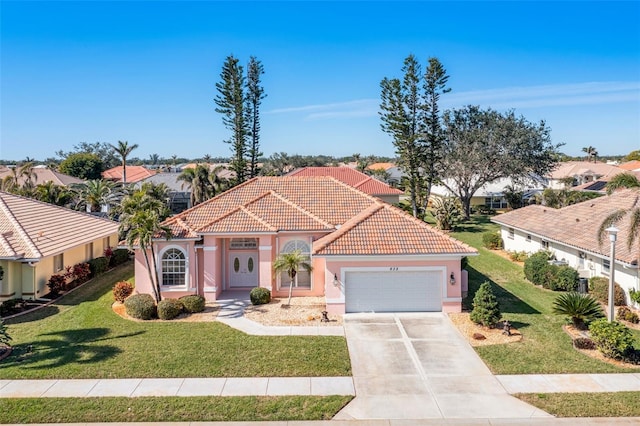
(155, 269)
(290, 291)
(146, 260)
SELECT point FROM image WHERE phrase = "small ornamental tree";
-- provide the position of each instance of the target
(486, 310)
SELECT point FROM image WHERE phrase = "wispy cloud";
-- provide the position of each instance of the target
(594, 93)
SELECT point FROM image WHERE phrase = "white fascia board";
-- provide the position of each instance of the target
(394, 257)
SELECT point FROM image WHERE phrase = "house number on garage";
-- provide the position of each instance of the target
(393, 268)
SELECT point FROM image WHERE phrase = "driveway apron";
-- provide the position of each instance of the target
(418, 366)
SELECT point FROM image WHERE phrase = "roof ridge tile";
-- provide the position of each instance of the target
(326, 240)
(20, 230)
(300, 208)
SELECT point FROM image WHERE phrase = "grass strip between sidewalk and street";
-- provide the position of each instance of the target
(80, 337)
(545, 347)
(609, 404)
(170, 409)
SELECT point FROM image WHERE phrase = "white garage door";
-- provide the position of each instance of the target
(393, 291)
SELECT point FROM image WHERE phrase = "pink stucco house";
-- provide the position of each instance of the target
(366, 254)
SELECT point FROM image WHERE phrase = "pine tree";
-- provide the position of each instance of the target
(231, 104)
(255, 94)
(486, 310)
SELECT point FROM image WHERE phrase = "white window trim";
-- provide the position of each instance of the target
(285, 286)
(511, 233)
(168, 288)
(606, 270)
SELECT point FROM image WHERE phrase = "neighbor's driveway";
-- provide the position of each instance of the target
(417, 366)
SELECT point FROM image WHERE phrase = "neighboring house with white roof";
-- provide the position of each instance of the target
(571, 233)
(38, 240)
(179, 192)
(491, 195)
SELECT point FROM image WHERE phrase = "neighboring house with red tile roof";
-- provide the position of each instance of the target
(632, 166)
(134, 173)
(43, 175)
(355, 178)
(366, 254)
(572, 234)
(38, 240)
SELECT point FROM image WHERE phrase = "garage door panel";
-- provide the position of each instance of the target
(393, 291)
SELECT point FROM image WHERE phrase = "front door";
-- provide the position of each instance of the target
(243, 269)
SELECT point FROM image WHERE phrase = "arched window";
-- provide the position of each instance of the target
(174, 267)
(303, 277)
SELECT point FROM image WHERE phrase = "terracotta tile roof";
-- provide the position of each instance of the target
(378, 166)
(630, 165)
(43, 175)
(577, 225)
(386, 230)
(579, 168)
(358, 180)
(31, 229)
(271, 204)
(134, 173)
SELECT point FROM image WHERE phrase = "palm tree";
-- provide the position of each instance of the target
(154, 159)
(202, 182)
(141, 229)
(291, 263)
(591, 153)
(623, 180)
(96, 193)
(123, 149)
(149, 197)
(51, 193)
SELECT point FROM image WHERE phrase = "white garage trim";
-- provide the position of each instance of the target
(430, 302)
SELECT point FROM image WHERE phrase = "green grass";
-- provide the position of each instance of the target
(81, 337)
(614, 404)
(167, 409)
(545, 348)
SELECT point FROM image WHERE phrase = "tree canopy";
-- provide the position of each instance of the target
(481, 146)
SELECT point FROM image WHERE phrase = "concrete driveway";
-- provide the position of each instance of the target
(417, 366)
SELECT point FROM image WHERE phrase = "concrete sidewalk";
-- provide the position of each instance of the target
(233, 386)
(570, 383)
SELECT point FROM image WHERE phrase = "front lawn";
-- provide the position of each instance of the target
(166, 409)
(545, 348)
(609, 404)
(81, 337)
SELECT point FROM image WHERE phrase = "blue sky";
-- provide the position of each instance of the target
(145, 71)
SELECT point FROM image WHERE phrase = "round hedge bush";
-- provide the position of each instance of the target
(141, 306)
(492, 240)
(260, 296)
(599, 287)
(168, 309)
(193, 303)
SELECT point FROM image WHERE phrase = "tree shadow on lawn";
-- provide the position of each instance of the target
(40, 313)
(509, 302)
(71, 347)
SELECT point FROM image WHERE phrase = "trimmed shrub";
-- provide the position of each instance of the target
(56, 284)
(627, 314)
(80, 272)
(98, 265)
(564, 278)
(581, 308)
(168, 309)
(118, 257)
(634, 296)
(122, 290)
(486, 310)
(584, 343)
(260, 295)
(492, 240)
(193, 303)
(535, 266)
(141, 306)
(599, 287)
(613, 339)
